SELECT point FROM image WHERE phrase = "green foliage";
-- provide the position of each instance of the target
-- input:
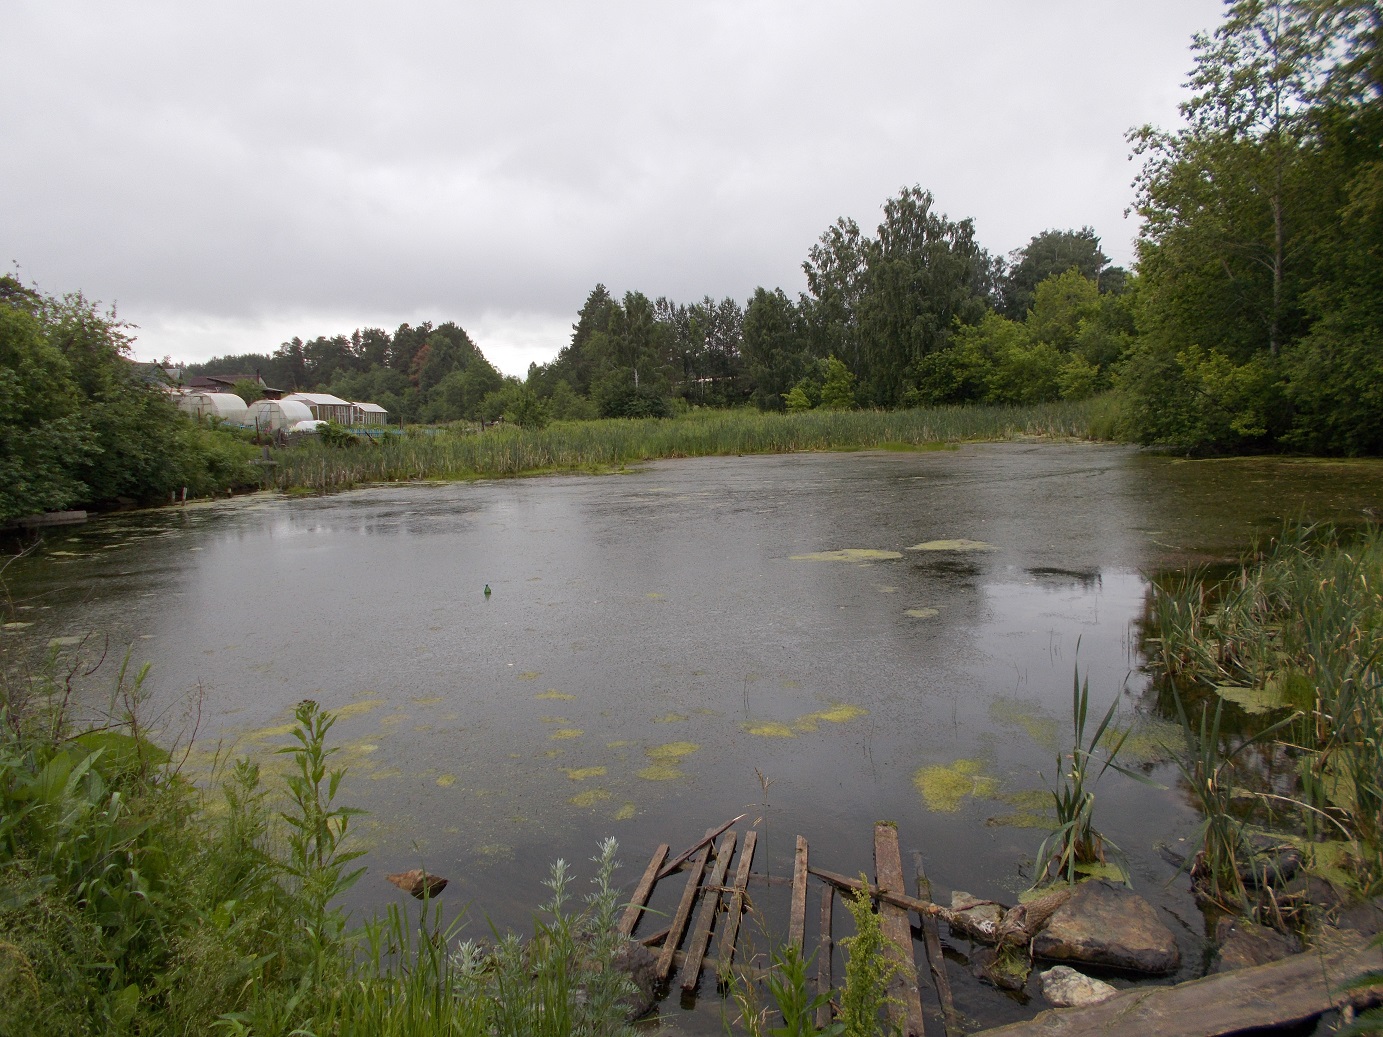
(1306, 622)
(796, 401)
(1049, 254)
(869, 967)
(335, 435)
(788, 986)
(1076, 843)
(1258, 252)
(837, 386)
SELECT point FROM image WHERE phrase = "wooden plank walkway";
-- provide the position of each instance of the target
(1281, 993)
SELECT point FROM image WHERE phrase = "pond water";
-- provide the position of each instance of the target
(667, 648)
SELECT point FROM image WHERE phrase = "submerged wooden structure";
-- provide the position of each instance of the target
(715, 895)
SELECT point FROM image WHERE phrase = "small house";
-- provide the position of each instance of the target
(369, 414)
(325, 407)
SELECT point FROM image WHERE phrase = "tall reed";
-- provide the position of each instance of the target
(461, 453)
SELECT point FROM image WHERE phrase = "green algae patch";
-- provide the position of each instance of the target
(1254, 700)
(1151, 740)
(848, 554)
(582, 773)
(618, 743)
(386, 773)
(770, 729)
(961, 545)
(672, 752)
(589, 798)
(1019, 821)
(554, 720)
(446, 781)
(1013, 712)
(553, 695)
(529, 675)
(841, 713)
(944, 788)
(356, 709)
(563, 733)
(426, 700)
(654, 596)
(661, 772)
(671, 718)
(625, 812)
(1028, 800)
(265, 734)
(922, 613)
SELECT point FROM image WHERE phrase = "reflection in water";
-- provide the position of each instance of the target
(642, 606)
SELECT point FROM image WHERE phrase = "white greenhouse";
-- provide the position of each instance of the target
(272, 415)
(223, 406)
(313, 425)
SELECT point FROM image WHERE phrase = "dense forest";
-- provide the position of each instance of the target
(1252, 320)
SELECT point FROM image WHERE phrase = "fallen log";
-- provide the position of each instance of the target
(1017, 927)
(1280, 993)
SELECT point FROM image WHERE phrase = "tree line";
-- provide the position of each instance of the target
(81, 424)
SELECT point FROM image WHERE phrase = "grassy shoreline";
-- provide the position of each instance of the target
(597, 446)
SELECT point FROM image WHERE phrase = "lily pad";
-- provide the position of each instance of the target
(953, 545)
(849, 554)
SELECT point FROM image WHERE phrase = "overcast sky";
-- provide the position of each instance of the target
(234, 174)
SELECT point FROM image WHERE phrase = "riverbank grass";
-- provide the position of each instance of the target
(462, 452)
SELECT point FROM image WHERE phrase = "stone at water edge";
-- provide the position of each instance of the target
(1109, 925)
(418, 882)
(1064, 987)
(1244, 944)
(638, 963)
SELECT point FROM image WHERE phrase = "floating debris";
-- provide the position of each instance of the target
(418, 882)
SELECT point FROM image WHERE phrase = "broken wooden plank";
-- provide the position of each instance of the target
(710, 901)
(1280, 993)
(704, 841)
(825, 947)
(725, 951)
(797, 916)
(683, 913)
(905, 1005)
(936, 959)
(642, 892)
(653, 939)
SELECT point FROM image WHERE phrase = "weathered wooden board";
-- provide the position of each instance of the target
(683, 912)
(797, 916)
(905, 1009)
(725, 951)
(706, 840)
(1281, 992)
(642, 891)
(824, 949)
(936, 959)
(700, 937)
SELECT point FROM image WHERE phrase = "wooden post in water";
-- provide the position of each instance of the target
(700, 938)
(797, 916)
(936, 959)
(725, 952)
(684, 910)
(824, 949)
(906, 1010)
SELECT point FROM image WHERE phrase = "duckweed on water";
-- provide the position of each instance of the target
(552, 694)
(944, 788)
(356, 709)
(446, 781)
(661, 772)
(566, 732)
(849, 554)
(923, 613)
(842, 713)
(625, 812)
(589, 798)
(953, 545)
(1014, 712)
(529, 675)
(582, 773)
(427, 700)
(671, 718)
(671, 752)
(771, 729)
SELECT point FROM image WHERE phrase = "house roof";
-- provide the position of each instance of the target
(318, 399)
(371, 408)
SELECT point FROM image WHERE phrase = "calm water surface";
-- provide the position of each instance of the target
(657, 656)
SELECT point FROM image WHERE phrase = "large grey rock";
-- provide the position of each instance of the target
(1109, 925)
(1064, 987)
(1243, 944)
